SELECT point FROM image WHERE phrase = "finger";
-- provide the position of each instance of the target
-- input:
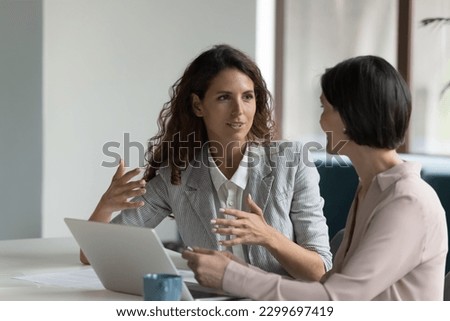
(135, 184)
(136, 192)
(228, 231)
(120, 170)
(201, 250)
(233, 212)
(126, 194)
(130, 174)
(235, 241)
(131, 189)
(193, 256)
(225, 222)
(188, 255)
(253, 207)
(128, 205)
(228, 254)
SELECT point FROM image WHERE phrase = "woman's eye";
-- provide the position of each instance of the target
(249, 97)
(223, 97)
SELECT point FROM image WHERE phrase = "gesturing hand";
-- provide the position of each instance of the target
(117, 196)
(248, 228)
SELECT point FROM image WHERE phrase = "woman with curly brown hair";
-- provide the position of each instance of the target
(212, 154)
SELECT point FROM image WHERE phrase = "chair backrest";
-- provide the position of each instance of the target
(336, 242)
(447, 287)
(338, 183)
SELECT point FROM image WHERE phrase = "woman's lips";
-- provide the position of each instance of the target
(235, 125)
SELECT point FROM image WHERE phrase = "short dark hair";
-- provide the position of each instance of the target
(372, 99)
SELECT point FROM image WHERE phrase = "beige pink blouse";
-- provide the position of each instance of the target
(397, 249)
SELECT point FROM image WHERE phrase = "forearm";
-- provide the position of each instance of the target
(258, 285)
(299, 262)
(101, 214)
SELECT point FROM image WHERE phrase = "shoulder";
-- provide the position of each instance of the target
(418, 192)
(413, 208)
(411, 195)
(281, 147)
(162, 176)
(196, 172)
(288, 160)
(280, 150)
(408, 182)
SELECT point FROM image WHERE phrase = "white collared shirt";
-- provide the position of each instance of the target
(230, 192)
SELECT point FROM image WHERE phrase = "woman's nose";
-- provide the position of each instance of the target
(237, 108)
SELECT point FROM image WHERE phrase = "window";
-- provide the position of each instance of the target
(430, 72)
(320, 33)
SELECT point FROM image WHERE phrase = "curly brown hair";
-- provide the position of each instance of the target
(181, 133)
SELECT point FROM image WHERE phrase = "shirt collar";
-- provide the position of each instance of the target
(240, 177)
(392, 175)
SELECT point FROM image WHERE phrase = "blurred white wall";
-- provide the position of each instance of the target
(76, 75)
(108, 66)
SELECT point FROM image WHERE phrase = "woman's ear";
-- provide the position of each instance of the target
(197, 106)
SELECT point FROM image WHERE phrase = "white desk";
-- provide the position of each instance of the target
(34, 256)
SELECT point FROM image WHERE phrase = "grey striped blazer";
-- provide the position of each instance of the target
(283, 181)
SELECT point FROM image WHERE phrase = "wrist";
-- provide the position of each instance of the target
(101, 214)
(271, 240)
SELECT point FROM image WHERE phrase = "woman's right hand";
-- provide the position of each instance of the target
(120, 191)
(117, 197)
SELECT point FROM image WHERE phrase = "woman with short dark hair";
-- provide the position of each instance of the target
(395, 241)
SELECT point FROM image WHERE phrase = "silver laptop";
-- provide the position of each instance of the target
(121, 255)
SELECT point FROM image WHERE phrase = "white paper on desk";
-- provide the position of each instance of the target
(87, 279)
(79, 279)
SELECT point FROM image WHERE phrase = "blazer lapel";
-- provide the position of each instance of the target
(259, 187)
(200, 194)
(260, 179)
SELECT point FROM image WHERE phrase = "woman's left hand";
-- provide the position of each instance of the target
(247, 228)
(208, 266)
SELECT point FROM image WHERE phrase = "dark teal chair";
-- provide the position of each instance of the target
(447, 287)
(338, 182)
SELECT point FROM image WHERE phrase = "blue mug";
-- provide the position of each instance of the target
(162, 287)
